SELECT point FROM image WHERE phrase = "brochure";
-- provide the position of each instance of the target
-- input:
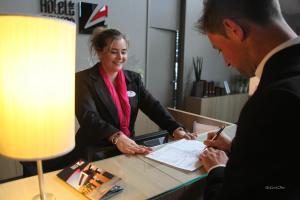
(91, 181)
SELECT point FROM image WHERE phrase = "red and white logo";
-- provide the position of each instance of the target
(98, 15)
(91, 16)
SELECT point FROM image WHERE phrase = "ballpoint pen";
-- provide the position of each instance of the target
(216, 136)
(218, 133)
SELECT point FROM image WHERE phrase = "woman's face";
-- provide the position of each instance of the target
(114, 56)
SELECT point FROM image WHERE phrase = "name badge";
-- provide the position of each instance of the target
(131, 93)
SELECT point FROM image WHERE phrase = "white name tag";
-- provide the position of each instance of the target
(131, 93)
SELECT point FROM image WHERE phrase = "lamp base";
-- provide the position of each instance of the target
(43, 195)
(48, 196)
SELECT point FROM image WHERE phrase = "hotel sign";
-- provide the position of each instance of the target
(64, 9)
(90, 15)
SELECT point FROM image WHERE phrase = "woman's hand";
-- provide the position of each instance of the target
(223, 142)
(179, 133)
(128, 146)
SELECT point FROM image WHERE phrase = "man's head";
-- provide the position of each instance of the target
(260, 12)
(230, 24)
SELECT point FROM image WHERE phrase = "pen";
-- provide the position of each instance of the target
(216, 136)
(218, 133)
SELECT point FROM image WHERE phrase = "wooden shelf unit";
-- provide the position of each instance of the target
(227, 107)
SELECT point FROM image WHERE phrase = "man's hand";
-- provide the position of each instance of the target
(223, 142)
(211, 157)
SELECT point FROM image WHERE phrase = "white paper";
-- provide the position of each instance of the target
(182, 154)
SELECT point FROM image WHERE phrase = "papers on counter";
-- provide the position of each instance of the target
(182, 154)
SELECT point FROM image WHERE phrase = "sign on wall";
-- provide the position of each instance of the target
(91, 16)
(59, 9)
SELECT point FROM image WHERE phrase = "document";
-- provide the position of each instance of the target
(183, 154)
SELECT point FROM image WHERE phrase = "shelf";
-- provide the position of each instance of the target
(225, 108)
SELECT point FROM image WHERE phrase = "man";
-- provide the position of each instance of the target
(254, 38)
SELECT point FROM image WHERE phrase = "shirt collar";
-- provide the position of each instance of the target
(284, 45)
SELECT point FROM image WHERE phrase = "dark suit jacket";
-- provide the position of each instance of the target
(265, 150)
(97, 114)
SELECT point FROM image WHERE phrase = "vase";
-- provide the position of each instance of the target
(198, 88)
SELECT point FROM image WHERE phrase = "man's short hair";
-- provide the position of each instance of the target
(259, 12)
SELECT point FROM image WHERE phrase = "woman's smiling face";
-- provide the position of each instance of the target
(114, 56)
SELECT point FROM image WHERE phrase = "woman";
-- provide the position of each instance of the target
(108, 99)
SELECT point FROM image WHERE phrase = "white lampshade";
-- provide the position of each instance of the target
(37, 75)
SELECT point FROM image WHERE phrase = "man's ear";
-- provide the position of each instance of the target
(233, 30)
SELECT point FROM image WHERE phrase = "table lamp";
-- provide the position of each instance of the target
(37, 89)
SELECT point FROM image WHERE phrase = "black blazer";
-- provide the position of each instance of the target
(97, 114)
(265, 150)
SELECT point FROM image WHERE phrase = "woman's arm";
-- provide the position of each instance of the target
(87, 112)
